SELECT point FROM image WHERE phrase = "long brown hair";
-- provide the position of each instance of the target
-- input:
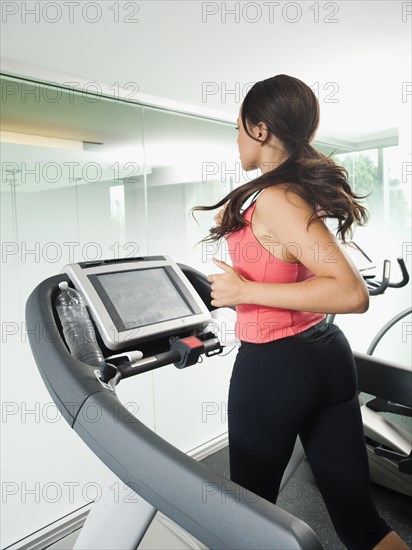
(290, 110)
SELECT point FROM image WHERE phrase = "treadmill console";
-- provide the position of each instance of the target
(138, 299)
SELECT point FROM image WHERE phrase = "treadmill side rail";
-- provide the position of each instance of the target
(217, 511)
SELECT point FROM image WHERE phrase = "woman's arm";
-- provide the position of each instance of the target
(337, 286)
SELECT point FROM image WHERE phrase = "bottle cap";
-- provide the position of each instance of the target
(63, 285)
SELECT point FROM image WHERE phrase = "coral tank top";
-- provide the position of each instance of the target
(261, 324)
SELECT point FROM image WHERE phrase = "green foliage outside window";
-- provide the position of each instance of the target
(365, 179)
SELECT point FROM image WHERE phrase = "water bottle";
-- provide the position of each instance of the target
(78, 329)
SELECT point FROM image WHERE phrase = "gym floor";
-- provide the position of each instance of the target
(302, 498)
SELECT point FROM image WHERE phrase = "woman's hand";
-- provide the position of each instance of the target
(228, 288)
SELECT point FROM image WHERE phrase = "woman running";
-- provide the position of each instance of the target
(294, 374)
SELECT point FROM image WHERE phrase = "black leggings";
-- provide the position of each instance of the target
(307, 385)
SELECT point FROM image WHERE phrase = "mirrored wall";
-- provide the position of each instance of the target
(83, 178)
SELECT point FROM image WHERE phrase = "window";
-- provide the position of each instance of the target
(377, 173)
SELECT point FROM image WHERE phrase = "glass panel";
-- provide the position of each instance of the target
(378, 172)
(69, 155)
(362, 167)
(398, 194)
(65, 166)
(192, 162)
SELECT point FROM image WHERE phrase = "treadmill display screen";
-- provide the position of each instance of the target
(143, 297)
(136, 300)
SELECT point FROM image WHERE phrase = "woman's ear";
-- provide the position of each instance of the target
(261, 131)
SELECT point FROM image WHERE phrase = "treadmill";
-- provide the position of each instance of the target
(198, 508)
(211, 510)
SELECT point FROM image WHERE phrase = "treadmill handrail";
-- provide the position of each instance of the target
(214, 509)
(383, 378)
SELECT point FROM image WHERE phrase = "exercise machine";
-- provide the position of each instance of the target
(388, 444)
(164, 478)
(216, 511)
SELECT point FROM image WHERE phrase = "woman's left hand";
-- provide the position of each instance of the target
(228, 287)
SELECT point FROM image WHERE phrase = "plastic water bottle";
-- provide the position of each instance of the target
(78, 329)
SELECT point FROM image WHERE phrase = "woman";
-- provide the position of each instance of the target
(294, 374)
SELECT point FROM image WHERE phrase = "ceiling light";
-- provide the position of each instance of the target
(40, 141)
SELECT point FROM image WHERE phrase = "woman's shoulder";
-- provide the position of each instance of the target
(282, 199)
